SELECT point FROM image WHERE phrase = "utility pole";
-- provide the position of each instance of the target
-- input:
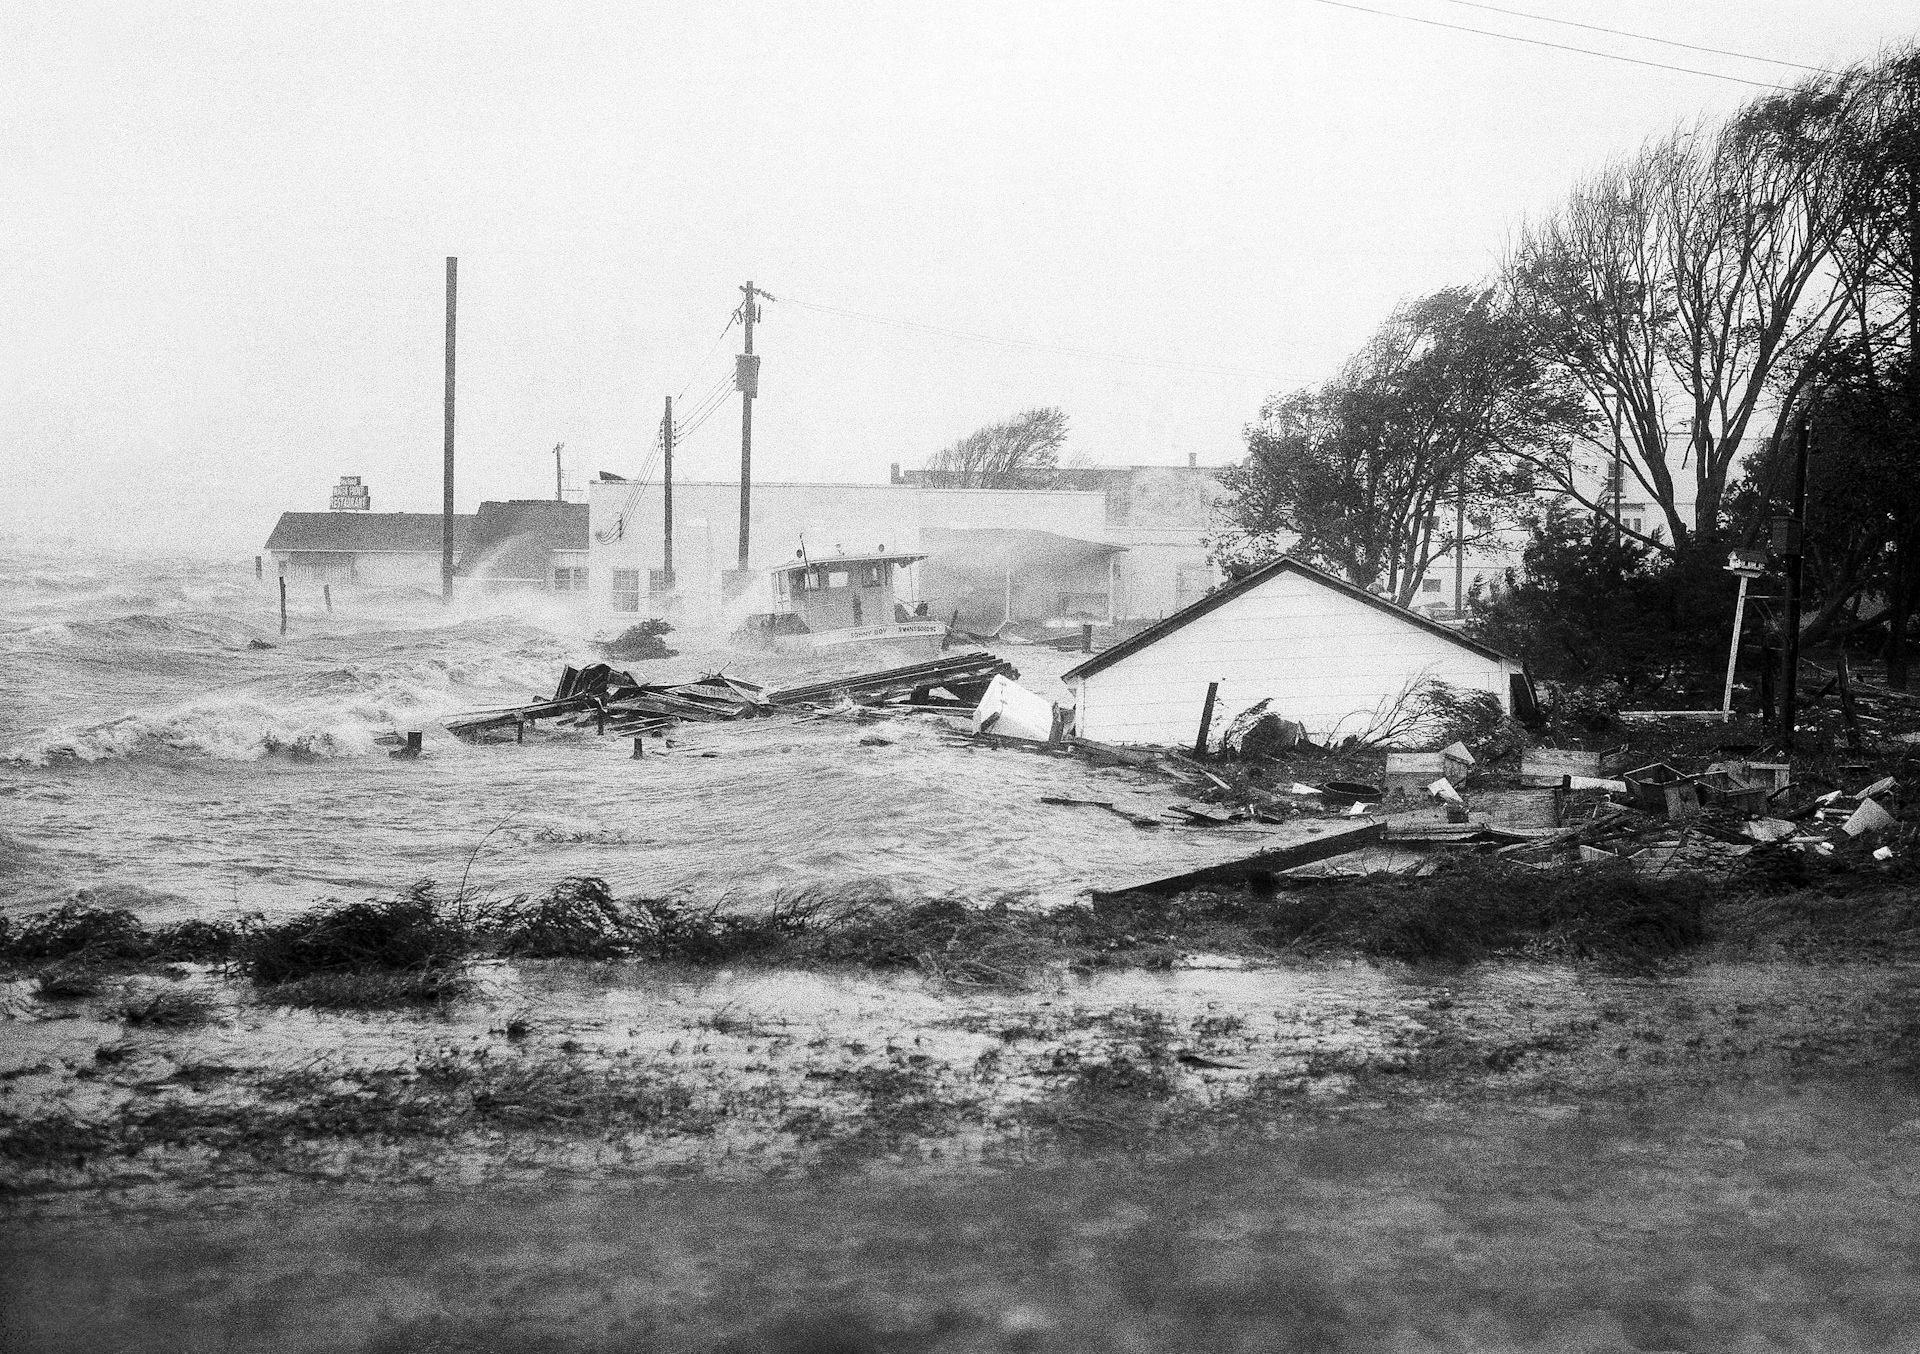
(666, 444)
(446, 503)
(559, 481)
(746, 378)
(1791, 547)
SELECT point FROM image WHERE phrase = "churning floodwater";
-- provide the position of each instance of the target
(153, 755)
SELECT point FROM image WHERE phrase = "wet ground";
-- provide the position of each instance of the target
(1326, 1156)
(628, 1069)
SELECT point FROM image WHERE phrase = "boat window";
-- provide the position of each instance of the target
(837, 578)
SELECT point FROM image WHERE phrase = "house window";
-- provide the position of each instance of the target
(569, 580)
(659, 581)
(1431, 585)
(626, 589)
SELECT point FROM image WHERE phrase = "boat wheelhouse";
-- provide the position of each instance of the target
(844, 599)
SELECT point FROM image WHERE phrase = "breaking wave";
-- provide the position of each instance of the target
(331, 712)
(147, 629)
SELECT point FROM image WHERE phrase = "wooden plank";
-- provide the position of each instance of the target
(1261, 865)
(1541, 767)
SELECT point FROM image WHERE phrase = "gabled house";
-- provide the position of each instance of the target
(1323, 652)
(528, 543)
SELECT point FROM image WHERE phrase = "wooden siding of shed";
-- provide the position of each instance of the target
(1324, 659)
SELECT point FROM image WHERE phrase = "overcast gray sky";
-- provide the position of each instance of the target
(225, 225)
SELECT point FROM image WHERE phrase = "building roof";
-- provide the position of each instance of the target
(515, 538)
(1285, 564)
(997, 549)
(366, 532)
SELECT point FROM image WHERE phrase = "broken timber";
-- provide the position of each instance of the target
(964, 677)
(1261, 866)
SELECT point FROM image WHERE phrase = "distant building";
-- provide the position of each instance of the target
(1600, 479)
(370, 549)
(1135, 533)
(991, 575)
(520, 543)
(536, 543)
(1331, 656)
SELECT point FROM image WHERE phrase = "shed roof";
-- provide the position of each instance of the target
(1266, 573)
(366, 532)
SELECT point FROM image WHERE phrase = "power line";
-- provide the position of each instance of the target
(1027, 344)
(1542, 42)
(732, 320)
(1641, 37)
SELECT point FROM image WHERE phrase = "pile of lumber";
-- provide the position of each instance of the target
(610, 701)
(953, 683)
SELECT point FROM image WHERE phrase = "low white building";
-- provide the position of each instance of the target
(1324, 653)
(1149, 521)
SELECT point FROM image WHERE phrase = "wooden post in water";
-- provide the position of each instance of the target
(257, 570)
(326, 591)
(1086, 637)
(1848, 710)
(1206, 721)
(639, 747)
(283, 604)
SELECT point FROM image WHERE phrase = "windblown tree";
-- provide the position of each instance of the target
(1875, 383)
(1862, 535)
(1409, 454)
(1689, 289)
(1021, 453)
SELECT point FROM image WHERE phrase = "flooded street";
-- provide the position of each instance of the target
(151, 756)
(1143, 1141)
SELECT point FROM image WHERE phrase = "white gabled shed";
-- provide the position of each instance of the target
(1325, 653)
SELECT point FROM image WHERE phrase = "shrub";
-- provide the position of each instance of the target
(410, 932)
(578, 919)
(640, 641)
(77, 928)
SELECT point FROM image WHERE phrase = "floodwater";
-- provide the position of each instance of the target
(151, 755)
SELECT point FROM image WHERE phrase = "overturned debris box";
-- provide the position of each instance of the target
(1648, 785)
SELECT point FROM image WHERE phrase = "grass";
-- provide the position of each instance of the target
(371, 990)
(166, 1007)
(441, 1096)
(67, 981)
(411, 949)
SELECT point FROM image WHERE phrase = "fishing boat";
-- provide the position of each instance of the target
(822, 601)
